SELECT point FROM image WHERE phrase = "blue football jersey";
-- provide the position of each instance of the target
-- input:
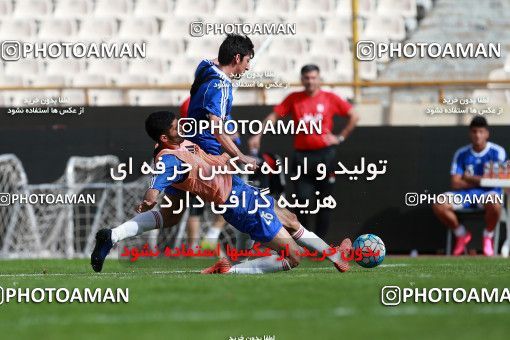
(466, 158)
(211, 94)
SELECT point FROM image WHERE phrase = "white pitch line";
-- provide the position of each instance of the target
(184, 316)
(228, 315)
(98, 274)
(164, 272)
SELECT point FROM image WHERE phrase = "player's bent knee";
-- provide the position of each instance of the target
(493, 208)
(439, 208)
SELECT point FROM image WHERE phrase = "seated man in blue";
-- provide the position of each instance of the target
(466, 173)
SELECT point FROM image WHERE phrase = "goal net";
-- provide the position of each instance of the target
(68, 230)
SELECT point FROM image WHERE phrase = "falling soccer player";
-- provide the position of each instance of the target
(265, 225)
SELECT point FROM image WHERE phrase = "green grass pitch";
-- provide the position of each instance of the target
(168, 299)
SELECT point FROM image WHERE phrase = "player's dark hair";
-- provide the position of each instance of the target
(232, 45)
(478, 121)
(158, 123)
(309, 68)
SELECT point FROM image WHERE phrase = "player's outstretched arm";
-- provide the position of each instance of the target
(149, 201)
(460, 182)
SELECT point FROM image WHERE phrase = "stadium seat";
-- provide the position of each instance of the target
(289, 76)
(343, 68)
(185, 7)
(157, 8)
(495, 96)
(94, 29)
(57, 29)
(276, 63)
(498, 74)
(149, 67)
(227, 18)
(32, 8)
(507, 64)
(186, 65)
(175, 77)
(326, 63)
(345, 93)
(405, 8)
(149, 98)
(177, 27)
(335, 46)
(106, 97)
(381, 28)
(156, 97)
(248, 97)
(315, 7)
(165, 48)
(72, 8)
(270, 7)
(308, 26)
(242, 7)
(204, 47)
(366, 8)
(138, 28)
(132, 79)
(113, 8)
(65, 66)
(257, 41)
(74, 97)
(17, 29)
(106, 66)
(14, 80)
(86, 79)
(19, 98)
(292, 46)
(47, 80)
(276, 96)
(368, 70)
(5, 8)
(339, 27)
(24, 67)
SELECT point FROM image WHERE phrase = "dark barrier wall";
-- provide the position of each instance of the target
(419, 161)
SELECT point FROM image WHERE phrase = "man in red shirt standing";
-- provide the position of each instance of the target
(314, 104)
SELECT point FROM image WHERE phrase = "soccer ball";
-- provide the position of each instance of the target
(366, 243)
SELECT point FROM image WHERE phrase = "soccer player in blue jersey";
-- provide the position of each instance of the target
(211, 95)
(211, 100)
(466, 172)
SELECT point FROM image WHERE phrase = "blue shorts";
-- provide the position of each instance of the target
(263, 224)
(473, 194)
